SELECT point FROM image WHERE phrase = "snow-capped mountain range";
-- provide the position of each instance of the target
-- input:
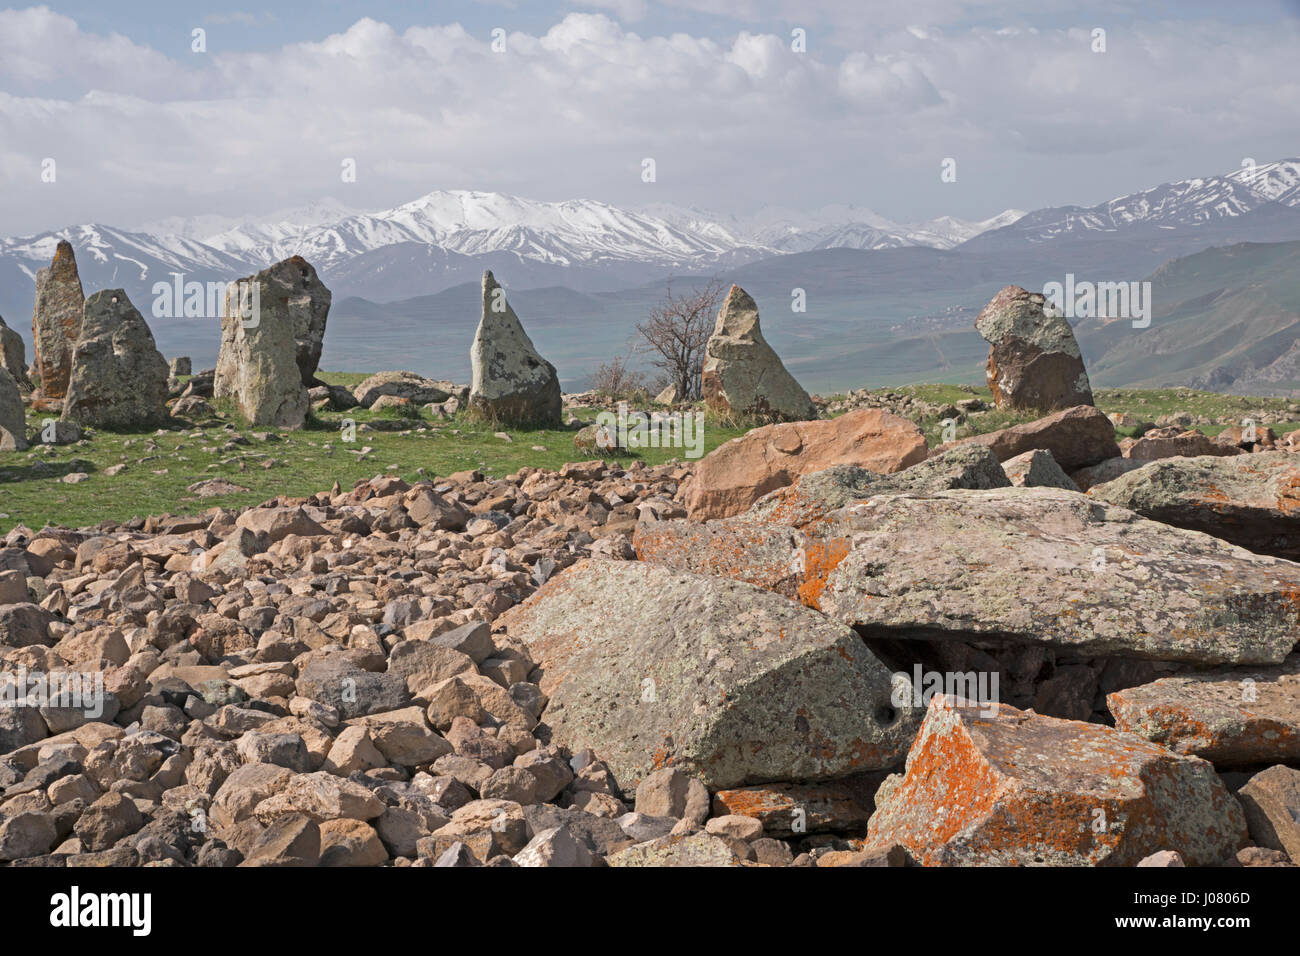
(447, 237)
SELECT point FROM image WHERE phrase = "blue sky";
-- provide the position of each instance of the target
(142, 128)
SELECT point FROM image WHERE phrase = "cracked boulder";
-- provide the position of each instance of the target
(654, 668)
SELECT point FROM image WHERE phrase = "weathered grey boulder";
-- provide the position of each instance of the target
(1003, 787)
(1037, 469)
(119, 378)
(257, 367)
(414, 388)
(1251, 500)
(56, 320)
(651, 668)
(13, 357)
(743, 376)
(1028, 565)
(511, 382)
(13, 421)
(1034, 361)
(1231, 717)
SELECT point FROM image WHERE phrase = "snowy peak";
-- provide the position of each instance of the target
(1181, 204)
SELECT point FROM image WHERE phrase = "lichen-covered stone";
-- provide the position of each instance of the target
(652, 668)
(816, 494)
(742, 376)
(1251, 500)
(258, 367)
(1007, 787)
(13, 357)
(1034, 361)
(511, 382)
(119, 378)
(13, 420)
(1231, 717)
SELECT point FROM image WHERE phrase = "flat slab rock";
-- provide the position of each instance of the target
(652, 667)
(1012, 788)
(1233, 718)
(1251, 500)
(1032, 565)
(1076, 437)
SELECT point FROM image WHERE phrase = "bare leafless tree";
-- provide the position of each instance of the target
(676, 332)
(617, 379)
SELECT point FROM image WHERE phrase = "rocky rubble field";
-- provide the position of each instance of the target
(1027, 633)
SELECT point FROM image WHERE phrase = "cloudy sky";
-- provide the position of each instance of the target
(141, 126)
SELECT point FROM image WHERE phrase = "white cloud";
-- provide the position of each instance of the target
(736, 120)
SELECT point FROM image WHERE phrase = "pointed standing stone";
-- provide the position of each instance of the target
(56, 321)
(743, 376)
(1034, 361)
(258, 367)
(118, 378)
(512, 383)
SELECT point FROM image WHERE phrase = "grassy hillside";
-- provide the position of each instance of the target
(161, 466)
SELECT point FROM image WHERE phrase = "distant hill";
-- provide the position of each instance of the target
(1226, 319)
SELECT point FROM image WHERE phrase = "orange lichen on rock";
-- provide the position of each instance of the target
(820, 559)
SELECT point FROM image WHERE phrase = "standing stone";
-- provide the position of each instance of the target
(258, 367)
(119, 378)
(56, 321)
(1034, 361)
(511, 383)
(13, 424)
(13, 357)
(743, 376)
(297, 289)
(181, 366)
